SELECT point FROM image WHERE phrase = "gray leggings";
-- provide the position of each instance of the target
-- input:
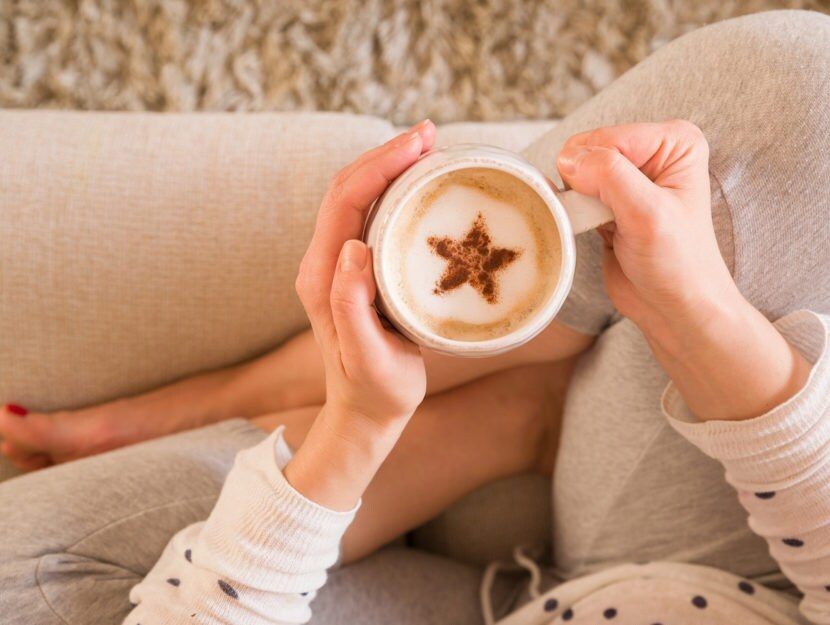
(75, 538)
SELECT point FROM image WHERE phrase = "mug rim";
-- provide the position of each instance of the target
(412, 181)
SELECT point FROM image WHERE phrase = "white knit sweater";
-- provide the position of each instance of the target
(263, 552)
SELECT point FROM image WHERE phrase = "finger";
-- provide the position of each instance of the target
(341, 218)
(23, 459)
(25, 430)
(359, 330)
(424, 128)
(657, 149)
(352, 193)
(614, 277)
(607, 174)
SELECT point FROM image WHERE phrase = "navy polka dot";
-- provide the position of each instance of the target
(188, 555)
(567, 615)
(174, 581)
(551, 605)
(699, 602)
(747, 588)
(766, 494)
(610, 613)
(228, 589)
(304, 594)
(793, 542)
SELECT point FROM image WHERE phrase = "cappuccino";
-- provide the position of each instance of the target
(473, 255)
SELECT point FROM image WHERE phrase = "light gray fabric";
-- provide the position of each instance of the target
(626, 486)
(77, 537)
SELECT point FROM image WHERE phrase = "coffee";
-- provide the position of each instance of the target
(473, 255)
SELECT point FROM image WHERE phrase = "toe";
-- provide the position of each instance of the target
(30, 432)
(22, 459)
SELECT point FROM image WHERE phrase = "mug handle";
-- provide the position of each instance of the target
(584, 212)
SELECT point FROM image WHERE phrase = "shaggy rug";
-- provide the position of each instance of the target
(401, 59)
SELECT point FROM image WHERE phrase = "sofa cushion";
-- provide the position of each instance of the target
(141, 248)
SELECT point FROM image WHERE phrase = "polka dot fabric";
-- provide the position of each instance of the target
(661, 593)
(779, 463)
(207, 575)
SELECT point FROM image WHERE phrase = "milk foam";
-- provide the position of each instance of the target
(516, 218)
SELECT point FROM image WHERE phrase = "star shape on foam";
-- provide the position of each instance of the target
(473, 260)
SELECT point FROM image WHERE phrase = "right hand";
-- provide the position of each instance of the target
(664, 270)
(372, 374)
(662, 263)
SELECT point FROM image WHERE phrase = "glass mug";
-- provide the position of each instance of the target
(573, 213)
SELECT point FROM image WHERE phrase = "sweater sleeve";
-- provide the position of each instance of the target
(779, 463)
(258, 559)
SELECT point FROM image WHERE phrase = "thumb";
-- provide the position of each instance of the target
(607, 174)
(359, 332)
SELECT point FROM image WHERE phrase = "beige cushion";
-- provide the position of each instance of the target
(141, 248)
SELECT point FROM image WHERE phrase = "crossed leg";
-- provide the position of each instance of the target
(78, 536)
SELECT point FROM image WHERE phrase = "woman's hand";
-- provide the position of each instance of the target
(374, 377)
(664, 271)
(371, 372)
(661, 256)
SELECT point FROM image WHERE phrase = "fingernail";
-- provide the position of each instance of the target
(568, 161)
(353, 256)
(20, 411)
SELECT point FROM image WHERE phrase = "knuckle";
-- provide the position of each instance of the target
(342, 303)
(597, 136)
(609, 162)
(340, 177)
(301, 281)
(338, 184)
(299, 286)
(691, 135)
(306, 291)
(335, 192)
(688, 130)
(575, 140)
(653, 228)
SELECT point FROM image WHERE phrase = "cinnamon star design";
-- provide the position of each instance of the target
(472, 260)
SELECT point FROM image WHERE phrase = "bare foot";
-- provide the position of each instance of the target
(34, 440)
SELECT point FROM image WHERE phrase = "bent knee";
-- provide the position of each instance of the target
(795, 32)
(773, 66)
(59, 588)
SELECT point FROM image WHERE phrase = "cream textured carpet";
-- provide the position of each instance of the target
(401, 59)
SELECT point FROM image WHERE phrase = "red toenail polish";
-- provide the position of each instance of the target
(20, 411)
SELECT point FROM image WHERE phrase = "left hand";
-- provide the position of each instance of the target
(372, 373)
(374, 377)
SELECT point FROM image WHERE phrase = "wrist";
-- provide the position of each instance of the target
(339, 457)
(683, 333)
(728, 361)
(360, 429)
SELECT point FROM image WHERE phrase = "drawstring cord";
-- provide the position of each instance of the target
(489, 579)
